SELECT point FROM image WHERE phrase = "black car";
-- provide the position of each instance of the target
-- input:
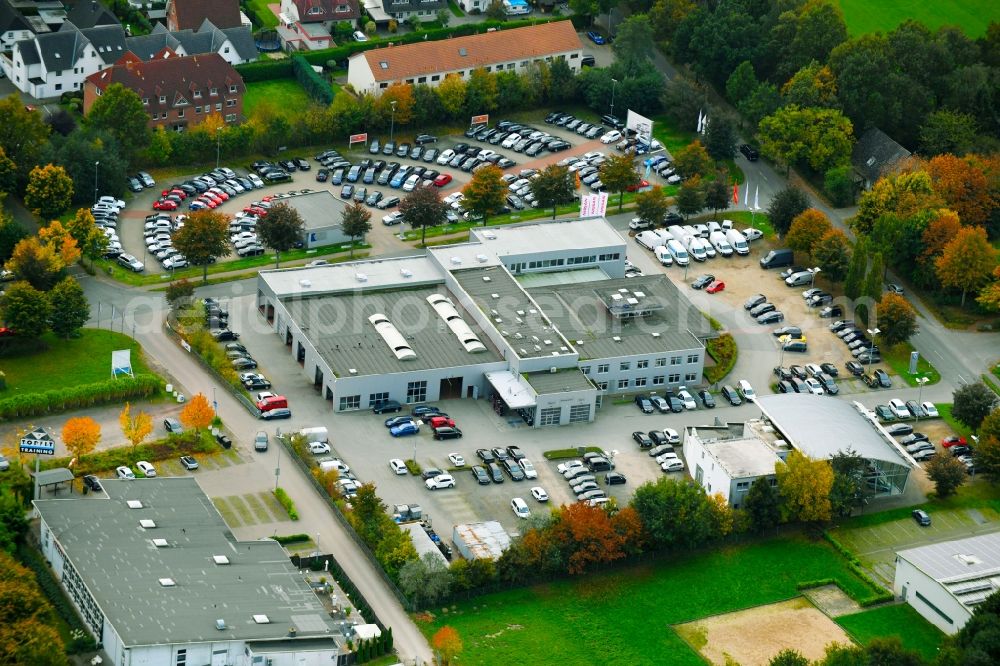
(224, 334)
(772, 317)
(763, 308)
(515, 452)
(749, 152)
(322, 175)
(486, 455)
(791, 331)
(829, 369)
(614, 478)
(258, 382)
(798, 371)
(447, 432)
(913, 438)
(644, 404)
(642, 439)
(883, 378)
(754, 301)
(855, 368)
(91, 482)
(430, 473)
(795, 346)
(915, 409)
(783, 373)
(496, 474)
(499, 453)
(425, 139)
(785, 386)
(658, 437)
(899, 429)
(706, 398)
(831, 311)
(134, 184)
(514, 470)
(703, 281)
(676, 404)
(479, 472)
(798, 385)
(426, 410)
(730, 394)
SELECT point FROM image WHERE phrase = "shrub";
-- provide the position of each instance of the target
(414, 467)
(291, 538)
(314, 84)
(286, 502)
(31, 558)
(724, 352)
(172, 446)
(78, 397)
(266, 70)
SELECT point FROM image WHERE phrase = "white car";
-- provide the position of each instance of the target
(753, 234)
(440, 481)
(445, 156)
(511, 140)
(255, 179)
(392, 218)
(673, 437)
(672, 466)
(456, 459)
(594, 154)
(335, 463)
(898, 408)
(316, 448)
(664, 457)
(174, 262)
(146, 468)
(539, 494)
(743, 386)
(111, 201)
(520, 508)
(611, 137)
(687, 399)
(814, 386)
(359, 36)
(529, 470)
(398, 466)
(930, 410)
(124, 472)
(562, 468)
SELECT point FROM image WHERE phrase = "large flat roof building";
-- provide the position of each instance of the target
(727, 462)
(159, 579)
(463, 321)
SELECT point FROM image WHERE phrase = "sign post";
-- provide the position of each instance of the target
(484, 119)
(38, 442)
(358, 138)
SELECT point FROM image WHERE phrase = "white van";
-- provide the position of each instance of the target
(334, 465)
(648, 239)
(799, 279)
(738, 241)
(663, 255)
(317, 434)
(727, 225)
(696, 249)
(708, 247)
(722, 246)
(678, 252)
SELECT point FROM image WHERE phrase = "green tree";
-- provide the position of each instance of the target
(39, 264)
(89, 238)
(808, 33)
(692, 160)
(203, 239)
(179, 294)
(967, 262)
(788, 657)
(848, 486)
(79, 154)
(855, 281)
(49, 191)
(563, 86)
(741, 83)
(897, 320)
(425, 580)
(69, 307)
(872, 287)
(762, 102)
(972, 403)
(838, 183)
(762, 506)
(812, 86)
(8, 174)
(481, 92)
(947, 131)
(988, 449)
(633, 45)
(452, 93)
(423, 208)
(160, 149)
(805, 486)
(821, 138)
(721, 137)
(807, 229)
(833, 254)
(495, 10)
(23, 135)
(13, 524)
(947, 472)
(120, 111)
(903, 194)
(666, 15)
(683, 99)
(443, 17)
(11, 233)
(355, 221)
(676, 514)
(485, 193)
(717, 194)
(691, 197)
(651, 206)
(553, 186)
(618, 174)
(282, 228)
(25, 310)
(785, 206)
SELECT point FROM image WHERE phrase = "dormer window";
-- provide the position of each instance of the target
(315, 11)
(163, 99)
(232, 89)
(197, 94)
(213, 91)
(145, 101)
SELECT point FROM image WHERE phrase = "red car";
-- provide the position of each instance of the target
(255, 210)
(212, 196)
(179, 192)
(438, 421)
(164, 204)
(716, 287)
(208, 201)
(267, 198)
(442, 180)
(219, 194)
(642, 184)
(952, 441)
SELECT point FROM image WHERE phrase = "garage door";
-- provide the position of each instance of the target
(579, 413)
(549, 416)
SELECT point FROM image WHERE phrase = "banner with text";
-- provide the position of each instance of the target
(480, 120)
(359, 138)
(593, 205)
(642, 126)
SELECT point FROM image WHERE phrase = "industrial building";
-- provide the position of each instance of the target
(945, 581)
(482, 541)
(538, 318)
(321, 214)
(728, 460)
(158, 578)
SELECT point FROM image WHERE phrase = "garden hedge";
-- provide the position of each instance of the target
(314, 84)
(79, 397)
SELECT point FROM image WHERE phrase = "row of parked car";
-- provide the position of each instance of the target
(497, 461)
(158, 230)
(817, 379)
(765, 312)
(442, 426)
(520, 138)
(209, 190)
(582, 477)
(670, 401)
(856, 338)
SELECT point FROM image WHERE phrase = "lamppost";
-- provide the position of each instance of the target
(96, 165)
(920, 395)
(392, 121)
(815, 271)
(218, 145)
(871, 348)
(614, 84)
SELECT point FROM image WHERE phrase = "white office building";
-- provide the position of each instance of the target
(728, 460)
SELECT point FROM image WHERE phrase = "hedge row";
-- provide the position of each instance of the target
(79, 397)
(291, 538)
(31, 558)
(266, 70)
(286, 502)
(880, 594)
(314, 84)
(331, 566)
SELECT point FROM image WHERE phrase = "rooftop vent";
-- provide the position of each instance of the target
(538, 348)
(520, 313)
(504, 333)
(406, 272)
(361, 277)
(261, 619)
(487, 278)
(167, 582)
(456, 260)
(639, 294)
(489, 235)
(547, 342)
(632, 301)
(160, 543)
(494, 295)
(220, 559)
(968, 559)
(220, 624)
(353, 371)
(147, 523)
(462, 52)
(656, 335)
(518, 336)
(392, 337)
(553, 370)
(616, 338)
(482, 258)
(579, 342)
(305, 284)
(623, 290)
(134, 504)
(532, 311)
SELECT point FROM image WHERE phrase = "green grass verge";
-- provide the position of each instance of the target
(898, 358)
(744, 219)
(944, 409)
(971, 495)
(65, 363)
(989, 382)
(900, 621)
(863, 16)
(265, 15)
(286, 502)
(285, 95)
(561, 622)
(563, 454)
(724, 352)
(455, 9)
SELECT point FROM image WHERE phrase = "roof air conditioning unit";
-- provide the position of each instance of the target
(406, 272)
(361, 277)
(305, 284)
(616, 339)
(538, 348)
(532, 311)
(489, 235)
(553, 369)
(167, 582)
(220, 624)
(579, 342)
(520, 313)
(639, 294)
(487, 278)
(655, 334)
(456, 260)
(353, 371)
(494, 295)
(482, 258)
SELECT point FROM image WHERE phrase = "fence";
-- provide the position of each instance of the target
(243, 400)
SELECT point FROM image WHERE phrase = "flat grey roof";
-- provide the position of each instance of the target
(338, 327)
(742, 457)
(567, 379)
(318, 209)
(352, 277)
(548, 236)
(51, 476)
(954, 560)
(121, 566)
(578, 311)
(821, 426)
(500, 297)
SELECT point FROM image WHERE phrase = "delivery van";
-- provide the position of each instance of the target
(738, 241)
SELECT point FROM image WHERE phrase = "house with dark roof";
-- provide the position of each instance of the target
(235, 45)
(176, 91)
(876, 154)
(190, 14)
(91, 13)
(50, 64)
(431, 62)
(320, 11)
(13, 26)
(403, 9)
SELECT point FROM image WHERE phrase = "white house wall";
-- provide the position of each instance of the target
(592, 368)
(929, 598)
(703, 468)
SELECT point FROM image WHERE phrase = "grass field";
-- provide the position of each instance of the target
(266, 15)
(898, 358)
(944, 409)
(285, 95)
(566, 622)
(901, 621)
(73, 362)
(973, 16)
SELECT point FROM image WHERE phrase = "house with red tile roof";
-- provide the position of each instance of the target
(190, 14)
(431, 62)
(176, 91)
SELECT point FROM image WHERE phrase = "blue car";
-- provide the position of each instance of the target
(596, 38)
(394, 421)
(404, 429)
(399, 178)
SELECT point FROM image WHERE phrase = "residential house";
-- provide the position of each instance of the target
(176, 91)
(431, 61)
(190, 14)
(875, 154)
(13, 26)
(401, 10)
(320, 11)
(91, 13)
(235, 45)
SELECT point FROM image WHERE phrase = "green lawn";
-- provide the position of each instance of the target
(944, 409)
(266, 16)
(73, 362)
(743, 219)
(285, 95)
(566, 622)
(455, 9)
(898, 358)
(863, 16)
(901, 621)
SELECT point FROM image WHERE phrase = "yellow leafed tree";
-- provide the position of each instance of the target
(198, 413)
(805, 486)
(81, 435)
(136, 427)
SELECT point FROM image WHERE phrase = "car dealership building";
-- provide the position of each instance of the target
(538, 318)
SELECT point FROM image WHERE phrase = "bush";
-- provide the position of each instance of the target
(287, 503)
(414, 467)
(291, 538)
(563, 454)
(839, 186)
(266, 70)
(314, 84)
(78, 397)
(172, 446)
(81, 639)
(724, 352)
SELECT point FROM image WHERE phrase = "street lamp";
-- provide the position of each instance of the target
(920, 395)
(392, 121)
(96, 164)
(614, 84)
(871, 348)
(218, 145)
(815, 271)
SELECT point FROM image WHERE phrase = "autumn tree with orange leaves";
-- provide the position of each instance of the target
(447, 643)
(81, 436)
(198, 413)
(136, 427)
(969, 185)
(587, 537)
(967, 261)
(940, 230)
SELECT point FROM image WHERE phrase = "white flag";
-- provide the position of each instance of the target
(704, 124)
(699, 121)
(746, 195)
(756, 199)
